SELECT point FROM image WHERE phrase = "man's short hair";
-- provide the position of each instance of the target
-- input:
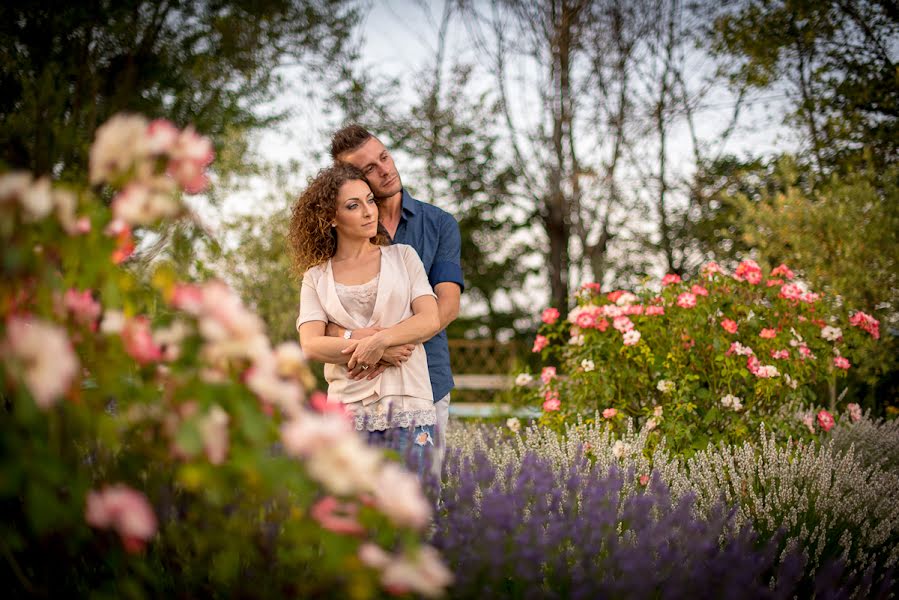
(348, 139)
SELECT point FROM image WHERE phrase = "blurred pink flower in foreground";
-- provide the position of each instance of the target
(422, 573)
(138, 340)
(398, 495)
(339, 517)
(47, 364)
(124, 509)
(83, 307)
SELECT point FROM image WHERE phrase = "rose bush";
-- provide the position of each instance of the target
(155, 443)
(702, 361)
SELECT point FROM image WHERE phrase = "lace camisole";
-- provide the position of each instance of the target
(373, 413)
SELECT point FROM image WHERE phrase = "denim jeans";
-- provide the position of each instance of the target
(414, 444)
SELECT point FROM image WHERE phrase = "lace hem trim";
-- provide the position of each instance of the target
(406, 418)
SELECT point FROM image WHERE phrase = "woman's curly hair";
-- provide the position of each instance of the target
(311, 238)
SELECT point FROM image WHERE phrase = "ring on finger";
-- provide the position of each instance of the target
(364, 367)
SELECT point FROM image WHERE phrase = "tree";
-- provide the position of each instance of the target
(66, 67)
(836, 62)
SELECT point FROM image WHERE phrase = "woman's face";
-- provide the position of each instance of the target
(357, 212)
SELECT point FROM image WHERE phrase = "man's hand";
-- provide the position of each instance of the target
(335, 330)
(397, 355)
(393, 357)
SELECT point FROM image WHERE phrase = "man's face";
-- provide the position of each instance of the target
(375, 162)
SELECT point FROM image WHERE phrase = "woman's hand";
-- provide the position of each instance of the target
(366, 352)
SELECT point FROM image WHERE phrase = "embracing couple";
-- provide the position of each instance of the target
(382, 279)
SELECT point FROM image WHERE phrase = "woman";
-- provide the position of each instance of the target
(354, 278)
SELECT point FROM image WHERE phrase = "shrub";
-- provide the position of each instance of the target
(542, 533)
(811, 498)
(154, 442)
(719, 355)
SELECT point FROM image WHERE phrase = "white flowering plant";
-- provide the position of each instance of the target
(720, 354)
(155, 440)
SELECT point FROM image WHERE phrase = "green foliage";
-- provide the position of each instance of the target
(837, 60)
(66, 68)
(145, 449)
(705, 372)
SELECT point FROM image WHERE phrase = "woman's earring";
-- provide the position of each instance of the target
(333, 224)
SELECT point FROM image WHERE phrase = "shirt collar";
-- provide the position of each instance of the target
(409, 205)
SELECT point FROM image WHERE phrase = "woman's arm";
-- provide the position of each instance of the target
(422, 326)
(319, 347)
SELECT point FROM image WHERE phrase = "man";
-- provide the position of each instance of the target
(434, 234)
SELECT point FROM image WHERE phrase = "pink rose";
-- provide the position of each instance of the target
(585, 319)
(710, 269)
(551, 401)
(540, 343)
(699, 290)
(138, 340)
(550, 315)
(83, 307)
(547, 375)
(825, 420)
(686, 300)
(855, 411)
(339, 517)
(670, 279)
(748, 271)
(622, 324)
(631, 337)
(609, 413)
(41, 354)
(601, 325)
(654, 311)
(841, 362)
(780, 354)
(773, 282)
(783, 270)
(867, 323)
(791, 291)
(613, 296)
(768, 334)
(125, 510)
(644, 480)
(729, 325)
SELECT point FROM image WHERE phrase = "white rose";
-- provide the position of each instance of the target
(587, 365)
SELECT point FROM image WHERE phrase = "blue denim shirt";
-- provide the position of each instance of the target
(434, 234)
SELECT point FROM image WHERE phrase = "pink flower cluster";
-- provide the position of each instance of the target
(686, 300)
(711, 268)
(41, 356)
(867, 323)
(124, 509)
(748, 271)
(540, 342)
(550, 315)
(759, 370)
(128, 145)
(670, 279)
(37, 199)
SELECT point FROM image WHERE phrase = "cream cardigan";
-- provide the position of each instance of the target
(402, 280)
